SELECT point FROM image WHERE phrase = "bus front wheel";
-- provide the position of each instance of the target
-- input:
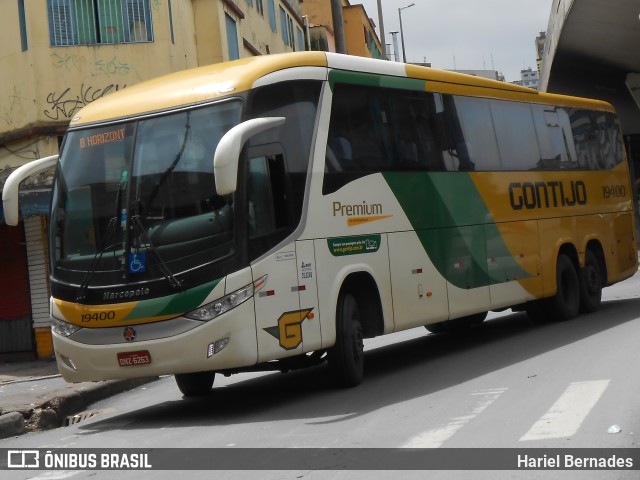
(195, 384)
(346, 358)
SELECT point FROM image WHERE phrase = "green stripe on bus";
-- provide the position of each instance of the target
(175, 304)
(366, 79)
(454, 226)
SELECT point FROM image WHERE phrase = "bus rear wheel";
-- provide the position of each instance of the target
(590, 284)
(565, 305)
(346, 358)
(195, 384)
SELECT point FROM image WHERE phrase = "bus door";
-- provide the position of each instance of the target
(280, 316)
(308, 291)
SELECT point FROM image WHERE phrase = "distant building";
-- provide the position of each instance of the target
(540, 41)
(528, 78)
(490, 74)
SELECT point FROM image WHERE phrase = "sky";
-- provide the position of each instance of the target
(466, 34)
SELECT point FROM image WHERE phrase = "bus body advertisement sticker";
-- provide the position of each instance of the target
(353, 245)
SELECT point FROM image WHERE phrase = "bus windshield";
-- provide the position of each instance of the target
(136, 201)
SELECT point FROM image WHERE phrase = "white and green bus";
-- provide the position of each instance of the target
(272, 212)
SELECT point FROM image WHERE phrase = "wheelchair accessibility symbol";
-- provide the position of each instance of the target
(137, 262)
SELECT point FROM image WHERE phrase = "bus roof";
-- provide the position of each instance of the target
(204, 84)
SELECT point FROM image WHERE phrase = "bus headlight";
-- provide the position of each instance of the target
(228, 302)
(64, 329)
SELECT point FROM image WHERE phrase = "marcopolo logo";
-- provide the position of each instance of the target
(140, 292)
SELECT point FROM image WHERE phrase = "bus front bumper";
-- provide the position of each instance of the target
(226, 342)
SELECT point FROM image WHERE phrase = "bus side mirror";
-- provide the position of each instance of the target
(225, 160)
(12, 185)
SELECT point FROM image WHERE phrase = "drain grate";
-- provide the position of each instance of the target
(80, 417)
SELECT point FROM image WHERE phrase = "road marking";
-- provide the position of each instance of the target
(434, 438)
(565, 416)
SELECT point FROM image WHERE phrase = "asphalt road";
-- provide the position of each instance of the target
(508, 384)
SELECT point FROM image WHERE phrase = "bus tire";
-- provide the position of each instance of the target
(346, 358)
(590, 284)
(195, 384)
(565, 305)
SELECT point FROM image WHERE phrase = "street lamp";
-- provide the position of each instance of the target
(395, 46)
(381, 22)
(404, 55)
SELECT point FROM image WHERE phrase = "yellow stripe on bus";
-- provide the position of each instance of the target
(102, 316)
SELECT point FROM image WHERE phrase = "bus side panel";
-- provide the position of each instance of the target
(308, 292)
(341, 256)
(278, 312)
(626, 252)
(515, 274)
(553, 234)
(599, 229)
(466, 269)
(419, 291)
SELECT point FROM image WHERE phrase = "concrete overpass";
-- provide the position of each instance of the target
(593, 50)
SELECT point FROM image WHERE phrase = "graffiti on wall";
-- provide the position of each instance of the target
(63, 105)
(79, 63)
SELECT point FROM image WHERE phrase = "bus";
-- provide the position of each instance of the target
(273, 212)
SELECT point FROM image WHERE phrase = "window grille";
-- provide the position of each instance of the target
(90, 22)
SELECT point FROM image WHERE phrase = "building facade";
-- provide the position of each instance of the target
(359, 30)
(528, 78)
(540, 41)
(57, 56)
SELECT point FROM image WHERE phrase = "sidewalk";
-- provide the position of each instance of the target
(34, 396)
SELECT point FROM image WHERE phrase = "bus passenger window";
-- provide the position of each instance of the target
(475, 138)
(359, 141)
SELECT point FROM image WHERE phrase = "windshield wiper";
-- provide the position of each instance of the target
(164, 269)
(96, 259)
(111, 228)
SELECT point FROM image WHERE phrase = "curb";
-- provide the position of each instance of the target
(52, 413)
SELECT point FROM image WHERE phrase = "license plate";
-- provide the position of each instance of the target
(130, 359)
